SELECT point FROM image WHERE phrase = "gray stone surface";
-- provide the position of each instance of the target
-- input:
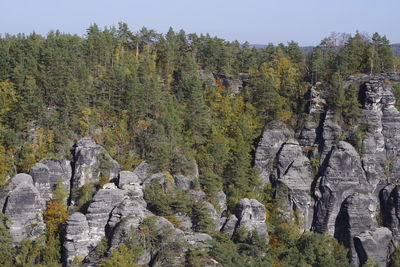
(90, 162)
(230, 225)
(99, 212)
(331, 131)
(274, 135)
(142, 171)
(377, 245)
(46, 173)
(127, 177)
(293, 183)
(24, 207)
(77, 237)
(356, 216)
(125, 217)
(342, 177)
(251, 216)
(184, 182)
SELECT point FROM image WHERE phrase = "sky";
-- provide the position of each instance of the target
(258, 22)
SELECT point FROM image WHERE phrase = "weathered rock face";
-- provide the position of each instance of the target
(77, 237)
(99, 211)
(235, 84)
(251, 216)
(356, 215)
(24, 207)
(390, 208)
(142, 171)
(342, 177)
(230, 225)
(377, 245)
(331, 132)
(293, 182)
(91, 161)
(46, 173)
(382, 123)
(127, 177)
(126, 216)
(184, 182)
(274, 135)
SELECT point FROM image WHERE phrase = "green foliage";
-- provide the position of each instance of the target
(6, 247)
(201, 218)
(395, 258)
(322, 250)
(396, 92)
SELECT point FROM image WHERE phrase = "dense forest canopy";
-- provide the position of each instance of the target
(160, 98)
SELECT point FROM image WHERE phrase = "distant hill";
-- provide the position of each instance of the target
(309, 49)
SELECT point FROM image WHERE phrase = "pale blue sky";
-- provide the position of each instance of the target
(259, 22)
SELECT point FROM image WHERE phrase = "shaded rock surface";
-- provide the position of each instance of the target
(342, 177)
(24, 206)
(46, 173)
(293, 182)
(99, 212)
(91, 161)
(77, 237)
(251, 216)
(377, 245)
(274, 135)
(356, 215)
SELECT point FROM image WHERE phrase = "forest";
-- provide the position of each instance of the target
(164, 99)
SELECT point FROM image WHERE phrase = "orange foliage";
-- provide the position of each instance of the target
(55, 216)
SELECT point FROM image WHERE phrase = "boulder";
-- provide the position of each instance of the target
(142, 171)
(91, 161)
(251, 216)
(184, 182)
(230, 225)
(127, 177)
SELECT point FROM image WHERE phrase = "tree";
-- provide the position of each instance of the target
(6, 246)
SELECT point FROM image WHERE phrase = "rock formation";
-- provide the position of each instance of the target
(24, 207)
(91, 161)
(46, 173)
(251, 216)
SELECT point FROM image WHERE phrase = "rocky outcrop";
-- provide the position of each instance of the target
(184, 182)
(230, 225)
(356, 216)
(77, 237)
(47, 173)
(24, 206)
(293, 182)
(274, 135)
(91, 161)
(342, 177)
(99, 211)
(125, 217)
(377, 245)
(251, 216)
(331, 131)
(127, 177)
